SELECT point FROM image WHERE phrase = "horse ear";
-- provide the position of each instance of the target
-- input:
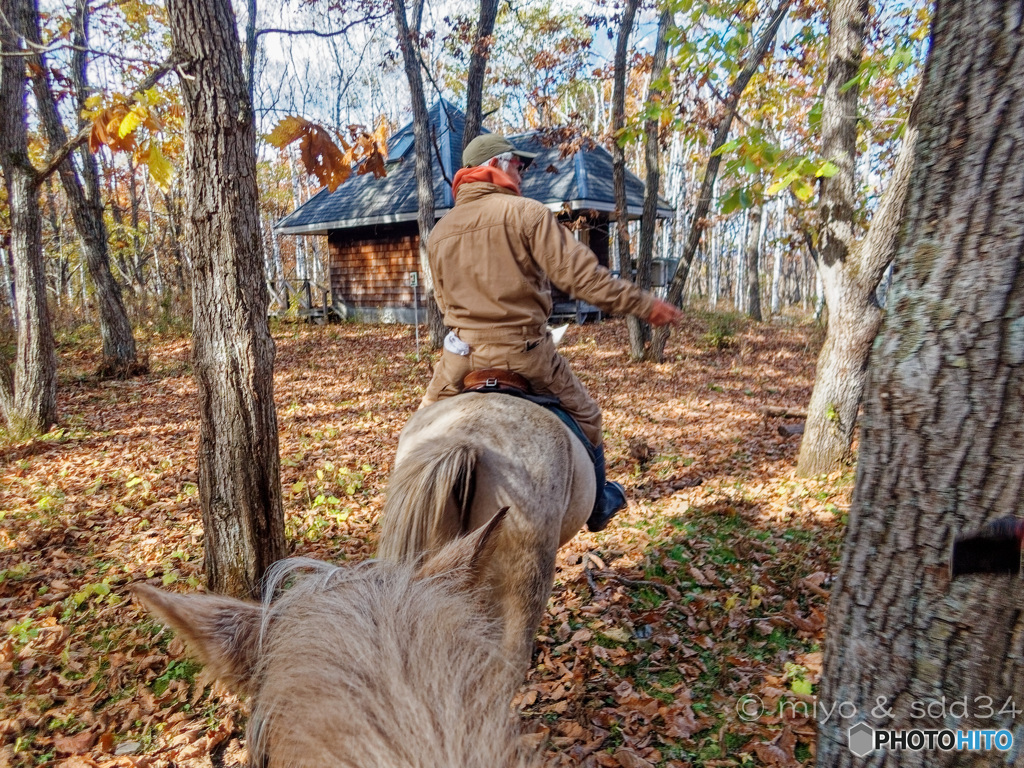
(223, 632)
(464, 557)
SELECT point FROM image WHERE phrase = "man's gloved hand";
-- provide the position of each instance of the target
(663, 313)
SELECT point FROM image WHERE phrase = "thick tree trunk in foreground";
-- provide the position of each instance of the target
(942, 447)
(239, 471)
(119, 354)
(29, 404)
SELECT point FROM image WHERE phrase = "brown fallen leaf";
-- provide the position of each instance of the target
(627, 758)
(78, 744)
(78, 762)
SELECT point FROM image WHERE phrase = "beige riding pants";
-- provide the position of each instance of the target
(529, 352)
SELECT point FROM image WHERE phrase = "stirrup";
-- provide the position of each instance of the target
(611, 500)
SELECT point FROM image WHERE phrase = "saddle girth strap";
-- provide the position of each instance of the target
(488, 379)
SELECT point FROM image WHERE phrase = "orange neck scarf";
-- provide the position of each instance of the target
(487, 173)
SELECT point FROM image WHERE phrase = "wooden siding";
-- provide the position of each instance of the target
(370, 266)
(373, 272)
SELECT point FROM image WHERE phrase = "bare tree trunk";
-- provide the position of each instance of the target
(477, 70)
(30, 403)
(182, 269)
(138, 256)
(8, 272)
(119, 352)
(639, 330)
(849, 271)
(636, 343)
(249, 51)
(408, 43)
(942, 447)
(752, 251)
(233, 352)
(699, 221)
(776, 304)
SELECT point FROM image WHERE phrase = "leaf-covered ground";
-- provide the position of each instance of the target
(710, 591)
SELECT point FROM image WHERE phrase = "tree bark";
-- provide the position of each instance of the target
(618, 127)
(752, 251)
(233, 352)
(640, 330)
(850, 271)
(699, 221)
(119, 352)
(477, 70)
(942, 446)
(30, 403)
(408, 43)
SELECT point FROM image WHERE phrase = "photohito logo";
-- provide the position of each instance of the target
(863, 740)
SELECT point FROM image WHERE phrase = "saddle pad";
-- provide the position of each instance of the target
(545, 401)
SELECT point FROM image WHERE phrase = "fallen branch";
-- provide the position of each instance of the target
(783, 411)
(606, 573)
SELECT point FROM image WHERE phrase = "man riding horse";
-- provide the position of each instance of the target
(493, 259)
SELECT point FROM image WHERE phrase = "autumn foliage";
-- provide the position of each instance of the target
(117, 123)
(710, 587)
(327, 154)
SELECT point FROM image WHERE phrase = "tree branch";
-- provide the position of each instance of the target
(731, 105)
(879, 247)
(83, 135)
(318, 33)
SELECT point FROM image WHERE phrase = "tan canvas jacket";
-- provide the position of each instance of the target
(493, 254)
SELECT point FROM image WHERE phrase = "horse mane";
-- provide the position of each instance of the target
(407, 672)
(419, 490)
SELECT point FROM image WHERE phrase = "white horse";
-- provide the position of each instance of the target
(381, 665)
(462, 458)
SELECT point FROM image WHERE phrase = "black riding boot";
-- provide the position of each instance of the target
(611, 496)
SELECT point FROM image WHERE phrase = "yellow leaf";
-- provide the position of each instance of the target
(129, 123)
(803, 190)
(287, 130)
(618, 634)
(160, 168)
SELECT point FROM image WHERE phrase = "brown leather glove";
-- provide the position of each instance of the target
(663, 313)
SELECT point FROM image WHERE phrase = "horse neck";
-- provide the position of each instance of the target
(387, 673)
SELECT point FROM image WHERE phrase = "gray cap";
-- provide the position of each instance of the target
(488, 145)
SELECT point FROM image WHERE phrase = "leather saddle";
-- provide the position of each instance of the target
(495, 380)
(505, 382)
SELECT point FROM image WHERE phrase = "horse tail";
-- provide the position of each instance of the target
(427, 499)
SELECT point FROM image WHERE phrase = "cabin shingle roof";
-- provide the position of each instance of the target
(582, 181)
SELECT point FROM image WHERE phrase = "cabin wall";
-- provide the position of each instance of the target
(369, 273)
(369, 270)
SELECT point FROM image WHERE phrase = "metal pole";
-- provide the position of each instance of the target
(413, 278)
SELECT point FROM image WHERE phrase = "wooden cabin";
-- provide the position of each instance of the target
(372, 233)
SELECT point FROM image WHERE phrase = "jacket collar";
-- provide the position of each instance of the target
(475, 190)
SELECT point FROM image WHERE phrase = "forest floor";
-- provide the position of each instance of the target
(708, 592)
